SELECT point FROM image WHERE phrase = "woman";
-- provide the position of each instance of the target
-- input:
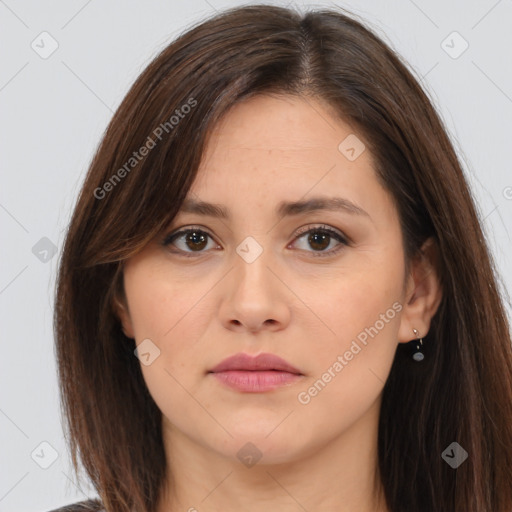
(275, 290)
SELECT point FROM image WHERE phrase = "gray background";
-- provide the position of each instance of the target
(55, 109)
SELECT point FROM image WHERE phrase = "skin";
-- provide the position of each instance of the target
(307, 309)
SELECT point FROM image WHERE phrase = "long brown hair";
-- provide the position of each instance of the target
(462, 392)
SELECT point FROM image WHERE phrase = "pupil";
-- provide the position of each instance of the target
(314, 239)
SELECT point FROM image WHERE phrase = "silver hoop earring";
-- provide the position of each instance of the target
(418, 354)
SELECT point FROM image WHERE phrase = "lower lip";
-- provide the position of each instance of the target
(256, 381)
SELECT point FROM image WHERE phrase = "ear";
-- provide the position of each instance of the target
(120, 307)
(423, 293)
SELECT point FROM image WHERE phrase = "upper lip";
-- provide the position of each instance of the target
(243, 361)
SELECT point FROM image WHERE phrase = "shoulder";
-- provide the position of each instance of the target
(93, 505)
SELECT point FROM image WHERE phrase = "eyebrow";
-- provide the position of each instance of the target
(285, 208)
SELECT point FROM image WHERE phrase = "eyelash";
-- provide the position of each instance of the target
(343, 241)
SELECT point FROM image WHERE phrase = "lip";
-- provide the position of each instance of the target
(247, 362)
(255, 374)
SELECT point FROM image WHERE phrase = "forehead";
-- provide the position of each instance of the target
(283, 147)
(280, 124)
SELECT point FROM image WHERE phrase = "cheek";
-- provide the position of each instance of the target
(368, 304)
(356, 299)
(361, 306)
(158, 304)
(171, 313)
(348, 373)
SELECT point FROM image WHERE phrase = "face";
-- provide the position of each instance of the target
(321, 288)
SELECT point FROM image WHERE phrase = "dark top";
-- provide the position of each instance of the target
(93, 505)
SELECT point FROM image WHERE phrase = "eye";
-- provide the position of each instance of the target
(320, 238)
(193, 238)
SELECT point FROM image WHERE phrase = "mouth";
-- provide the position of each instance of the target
(250, 374)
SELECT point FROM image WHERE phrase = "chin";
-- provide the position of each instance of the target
(255, 447)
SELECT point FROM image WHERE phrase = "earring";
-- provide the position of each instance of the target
(418, 354)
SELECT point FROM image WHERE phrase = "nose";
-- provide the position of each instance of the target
(254, 297)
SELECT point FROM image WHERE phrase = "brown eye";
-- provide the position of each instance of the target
(320, 238)
(196, 240)
(191, 240)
